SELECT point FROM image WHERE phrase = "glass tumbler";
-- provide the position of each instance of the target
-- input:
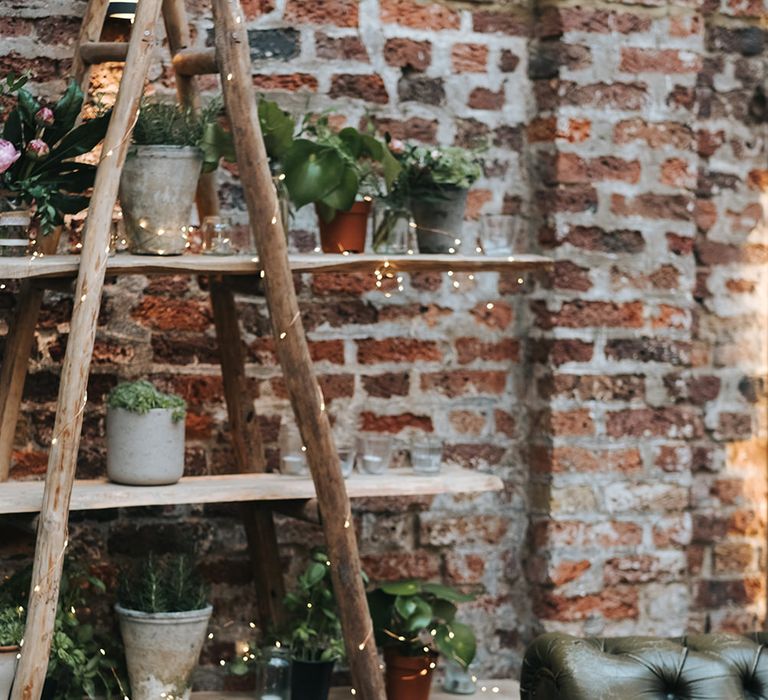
(427, 455)
(347, 456)
(216, 234)
(293, 459)
(502, 235)
(273, 675)
(375, 453)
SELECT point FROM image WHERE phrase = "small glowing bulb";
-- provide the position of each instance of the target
(278, 644)
(252, 625)
(309, 606)
(109, 153)
(83, 297)
(519, 280)
(303, 448)
(210, 635)
(451, 250)
(410, 252)
(54, 441)
(457, 241)
(72, 609)
(102, 652)
(489, 306)
(470, 277)
(36, 589)
(432, 664)
(451, 635)
(478, 249)
(401, 639)
(353, 691)
(221, 661)
(274, 220)
(282, 335)
(345, 252)
(346, 524)
(456, 285)
(433, 632)
(450, 273)
(262, 274)
(361, 647)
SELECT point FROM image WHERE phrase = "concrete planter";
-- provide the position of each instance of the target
(162, 650)
(8, 663)
(440, 222)
(144, 449)
(157, 190)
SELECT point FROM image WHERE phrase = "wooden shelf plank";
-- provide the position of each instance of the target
(26, 496)
(125, 264)
(504, 690)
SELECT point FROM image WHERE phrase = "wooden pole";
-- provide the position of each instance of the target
(293, 351)
(90, 31)
(62, 459)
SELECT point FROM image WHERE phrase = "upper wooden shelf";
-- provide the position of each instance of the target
(26, 496)
(125, 264)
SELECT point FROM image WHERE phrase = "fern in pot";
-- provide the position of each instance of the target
(145, 435)
(172, 145)
(11, 635)
(164, 613)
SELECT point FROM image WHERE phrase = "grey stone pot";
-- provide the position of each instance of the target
(439, 222)
(144, 449)
(157, 190)
(162, 650)
(8, 663)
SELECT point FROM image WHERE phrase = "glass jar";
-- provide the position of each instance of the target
(273, 674)
(375, 453)
(216, 234)
(459, 680)
(393, 229)
(427, 455)
(293, 457)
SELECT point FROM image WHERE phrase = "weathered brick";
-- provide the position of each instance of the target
(469, 58)
(408, 53)
(361, 86)
(371, 351)
(670, 422)
(342, 48)
(635, 60)
(341, 13)
(419, 15)
(483, 98)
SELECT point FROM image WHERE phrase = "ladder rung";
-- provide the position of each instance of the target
(195, 62)
(103, 51)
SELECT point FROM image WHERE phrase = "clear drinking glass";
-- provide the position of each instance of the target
(216, 232)
(293, 459)
(375, 453)
(273, 674)
(502, 235)
(347, 456)
(459, 680)
(427, 455)
(393, 229)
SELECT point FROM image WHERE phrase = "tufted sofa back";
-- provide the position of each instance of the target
(696, 667)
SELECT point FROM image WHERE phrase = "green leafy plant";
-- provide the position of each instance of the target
(413, 617)
(163, 584)
(142, 396)
(82, 662)
(164, 123)
(426, 168)
(11, 626)
(39, 150)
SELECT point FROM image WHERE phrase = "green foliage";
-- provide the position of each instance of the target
(412, 615)
(430, 168)
(164, 123)
(53, 183)
(81, 664)
(163, 584)
(11, 626)
(142, 396)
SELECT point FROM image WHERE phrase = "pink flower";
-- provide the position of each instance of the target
(8, 155)
(396, 146)
(37, 149)
(44, 117)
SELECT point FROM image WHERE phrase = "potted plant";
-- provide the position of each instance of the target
(340, 172)
(413, 622)
(40, 180)
(11, 636)
(314, 633)
(145, 435)
(171, 146)
(436, 181)
(163, 612)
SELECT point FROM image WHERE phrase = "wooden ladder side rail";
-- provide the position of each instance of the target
(243, 422)
(18, 346)
(62, 459)
(293, 350)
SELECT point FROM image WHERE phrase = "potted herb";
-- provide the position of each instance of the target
(163, 612)
(340, 172)
(172, 145)
(145, 435)
(413, 622)
(436, 181)
(40, 181)
(314, 634)
(11, 635)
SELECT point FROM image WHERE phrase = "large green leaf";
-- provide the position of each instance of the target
(277, 127)
(352, 140)
(441, 591)
(444, 611)
(311, 171)
(391, 167)
(65, 112)
(316, 573)
(342, 197)
(77, 142)
(371, 146)
(457, 641)
(421, 617)
(12, 130)
(28, 106)
(402, 587)
(216, 143)
(405, 606)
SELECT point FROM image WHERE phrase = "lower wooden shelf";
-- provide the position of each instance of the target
(26, 496)
(503, 690)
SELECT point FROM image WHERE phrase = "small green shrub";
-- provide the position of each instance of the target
(142, 396)
(163, 584)
(11, 626)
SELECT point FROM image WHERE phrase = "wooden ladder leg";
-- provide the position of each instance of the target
(62, 459)
(293, 350)
(246, 436)
(22, 331)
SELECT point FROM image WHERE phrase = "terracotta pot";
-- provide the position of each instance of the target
(408, 677)
(7, 670)
(346, 231)
(311, 680)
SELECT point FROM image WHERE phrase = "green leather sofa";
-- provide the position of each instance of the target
(696, 667)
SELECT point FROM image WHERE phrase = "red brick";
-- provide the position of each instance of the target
(576, 422)
(468, 422)
(575, 533)
(509, 61)
(411, 13)
(670, 422)
(469, 58)
(472, 349)
(166, 314)
(653, 206)
(408, 53)
(635, 60)
(561, 351)
(505, 423)
(569, 275)
(464, 568)
(733, 558)
(499, 315)
(615, 95)
(476, 201)
(570, 168)
(679, 245)
(18, 26)
(256, 8)
(343, 283)
(372, 422)
(290, 82)
(585, 314)
(327, 351)
(640, 569)
(483, 98)
(341, 13)
(413, 128)
(474, 455)
(718, 594)
(441, 531)
(685, 25)
(595, 387)
(717, 253)
(568, 570)
(674, 172)
(555, 20)
(368, 87)
(342, 48)
(333, 386)
(655, 134)
(198, 426)
(370, 351)
(501, 22)
(569, 199)
(619, 603)
(461, 382)
(387, 385)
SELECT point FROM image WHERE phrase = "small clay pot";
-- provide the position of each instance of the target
(346, 231)
(311, 680)
(408, 677)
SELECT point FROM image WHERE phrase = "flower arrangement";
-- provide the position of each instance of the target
(39, 148)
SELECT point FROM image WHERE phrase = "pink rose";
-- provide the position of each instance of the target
(396, 146)
(8, 155)
(37, 149)
(44, 117)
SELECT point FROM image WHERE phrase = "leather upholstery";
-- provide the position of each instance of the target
(696, 667)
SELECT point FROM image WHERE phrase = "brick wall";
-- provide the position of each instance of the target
(622, 400)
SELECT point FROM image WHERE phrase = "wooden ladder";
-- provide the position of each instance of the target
(231, 60)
